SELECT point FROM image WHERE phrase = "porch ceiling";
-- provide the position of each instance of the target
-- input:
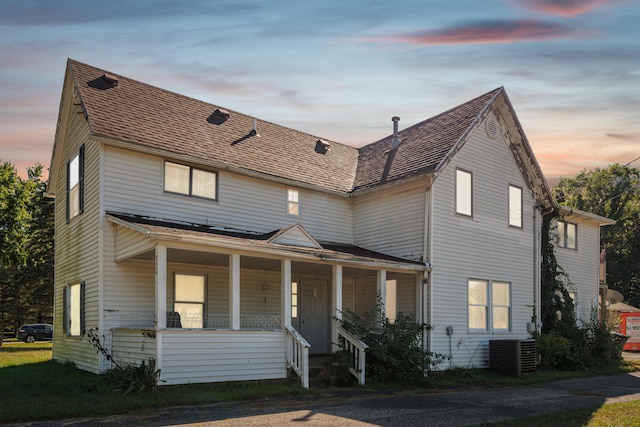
(211, 246)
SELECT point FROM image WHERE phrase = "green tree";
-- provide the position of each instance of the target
(614, 193)
(26, 248)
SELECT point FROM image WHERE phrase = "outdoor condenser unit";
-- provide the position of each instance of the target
(514, 357)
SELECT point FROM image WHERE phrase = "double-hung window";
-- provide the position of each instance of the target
(515, 206)
(464, 193)
(189, 299)
(489, 305)
(501, 306)
(293, 202)
(190, 181)
(567, 235)
(75, 184)
(478, 304)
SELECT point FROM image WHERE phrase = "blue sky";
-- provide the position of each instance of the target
(342, 69)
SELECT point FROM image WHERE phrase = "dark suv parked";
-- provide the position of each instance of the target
(35, 332)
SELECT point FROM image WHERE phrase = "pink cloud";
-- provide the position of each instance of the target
(489, 32)
(624, 136)
(566, 8)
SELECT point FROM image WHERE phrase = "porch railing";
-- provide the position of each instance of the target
(298, 355)
(357, 351)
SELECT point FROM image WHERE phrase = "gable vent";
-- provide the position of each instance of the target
(491, 127)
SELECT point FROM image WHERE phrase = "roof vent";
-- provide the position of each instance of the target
(395, 142)
(491, 126)
(221, 113)
(110, 79)
(254, 131)
(322, 146)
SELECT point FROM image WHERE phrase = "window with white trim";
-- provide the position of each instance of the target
(75, 184)
(293, 202)
(74, 309)
(478, 304)
(190, 181)
(189, 299)
(501, 306)
(464, 192)
(515, 206)
(489, 305)
(567, 235)
(294, 299)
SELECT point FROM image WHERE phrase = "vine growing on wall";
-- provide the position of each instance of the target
(558, 311)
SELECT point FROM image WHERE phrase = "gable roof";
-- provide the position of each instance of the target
(423, 147)
(152, 119)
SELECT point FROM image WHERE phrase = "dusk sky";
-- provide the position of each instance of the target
(341, 69)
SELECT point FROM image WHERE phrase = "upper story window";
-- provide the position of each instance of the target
(567, 235)
(515, 206)
(464, 193)
(190, 181)
(75, 184)
(293, 202)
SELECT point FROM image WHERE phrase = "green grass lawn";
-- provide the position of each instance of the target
(27, 373)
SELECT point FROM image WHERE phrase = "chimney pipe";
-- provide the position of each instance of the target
(395, 142)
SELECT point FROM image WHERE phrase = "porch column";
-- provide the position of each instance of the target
(336, 305)
(161, 286)
(234, 291)
(285, 309)
(382, 286)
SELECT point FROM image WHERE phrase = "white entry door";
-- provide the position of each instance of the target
(314, 314)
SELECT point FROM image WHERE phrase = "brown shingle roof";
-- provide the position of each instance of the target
(423, 146)
(155, 118)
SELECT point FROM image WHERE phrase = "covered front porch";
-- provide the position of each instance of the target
(214, 307)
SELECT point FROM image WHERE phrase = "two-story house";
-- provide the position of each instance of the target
(224, 246)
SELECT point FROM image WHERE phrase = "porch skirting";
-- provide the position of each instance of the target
(200, 356)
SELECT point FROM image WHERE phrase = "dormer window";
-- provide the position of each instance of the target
(190, 181)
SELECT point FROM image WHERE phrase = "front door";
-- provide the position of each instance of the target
(314, 314)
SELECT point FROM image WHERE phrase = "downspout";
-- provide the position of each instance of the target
(427, 298)
(536, 272)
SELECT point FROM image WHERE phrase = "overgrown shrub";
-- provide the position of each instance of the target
(395, 352)
(554, 352)
(589, 345)
(128, 377)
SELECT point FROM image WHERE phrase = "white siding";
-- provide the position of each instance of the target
(77, 243)
(134, 184)
(207, 356)
(130, 243)
(133, 346)
(391, 221)
(482, 247)
(583, 266)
